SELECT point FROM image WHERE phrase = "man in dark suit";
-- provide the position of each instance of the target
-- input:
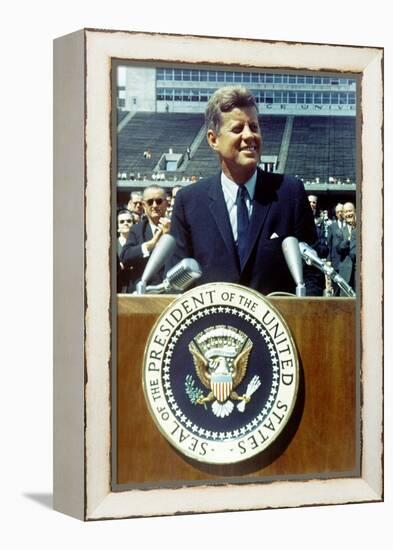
(321, 246)
(346, 246)
(334, 232)
(125, 221)
(145, 235)
(233, 224)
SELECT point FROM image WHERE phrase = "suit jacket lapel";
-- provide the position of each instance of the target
(264, 194)
(219, 212)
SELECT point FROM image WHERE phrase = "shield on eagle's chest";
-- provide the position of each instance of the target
(221, 385)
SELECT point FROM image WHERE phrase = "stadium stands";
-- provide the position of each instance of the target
(319, 146)
(272, 129)
(323, 147)
(202, 162)
(158, 132)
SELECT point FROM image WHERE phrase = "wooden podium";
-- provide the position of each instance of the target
(321, 439)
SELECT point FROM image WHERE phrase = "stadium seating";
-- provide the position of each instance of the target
(324, 147)
(272, 128)
(319, 147)
(158, 132)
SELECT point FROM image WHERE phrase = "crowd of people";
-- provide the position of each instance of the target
(158, 176)
(152, 209)
(233, 223)
(337, 240)
(140, 226)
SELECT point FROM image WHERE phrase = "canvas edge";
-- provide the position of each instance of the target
(69, 275)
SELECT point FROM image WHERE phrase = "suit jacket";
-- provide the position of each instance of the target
(334, 232)
(201, 226)
(321, 246)
(346, 248)
(124, 274)
(132, 255)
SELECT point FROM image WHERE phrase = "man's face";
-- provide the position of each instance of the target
(313, 202)
(339, 213)
(238, 143)
(136, 205)
(349, 214)
(155, 204)
(124, 223)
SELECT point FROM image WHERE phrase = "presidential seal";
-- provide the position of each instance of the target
(220, 373)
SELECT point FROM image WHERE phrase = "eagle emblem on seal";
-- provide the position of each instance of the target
(220, 355)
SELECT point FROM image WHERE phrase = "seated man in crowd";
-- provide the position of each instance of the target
(145, 235)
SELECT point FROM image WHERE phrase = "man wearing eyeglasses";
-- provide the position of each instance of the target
(144, 236)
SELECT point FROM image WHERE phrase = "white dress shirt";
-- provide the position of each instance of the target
(230, 190)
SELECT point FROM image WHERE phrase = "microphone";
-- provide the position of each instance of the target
(311, 258)
(162, 251)
(290, 248)
(179, 277)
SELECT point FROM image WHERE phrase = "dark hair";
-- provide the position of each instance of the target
(225, 100)
(126, 211)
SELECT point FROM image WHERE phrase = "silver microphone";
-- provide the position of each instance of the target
(178, 278)
(312, 258)
(290, 248)
(162, 251)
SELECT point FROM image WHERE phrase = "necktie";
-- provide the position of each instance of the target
(242, 223)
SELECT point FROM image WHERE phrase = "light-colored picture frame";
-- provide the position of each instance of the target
(82, 255)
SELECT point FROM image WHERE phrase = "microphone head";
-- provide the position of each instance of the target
(183, 274)
(290, 248)
(310, 255)
(162, 251)
(306, 249)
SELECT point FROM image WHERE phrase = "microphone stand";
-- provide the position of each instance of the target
(300, 290)
(330, 272)
(291, 251)
(140, 288)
